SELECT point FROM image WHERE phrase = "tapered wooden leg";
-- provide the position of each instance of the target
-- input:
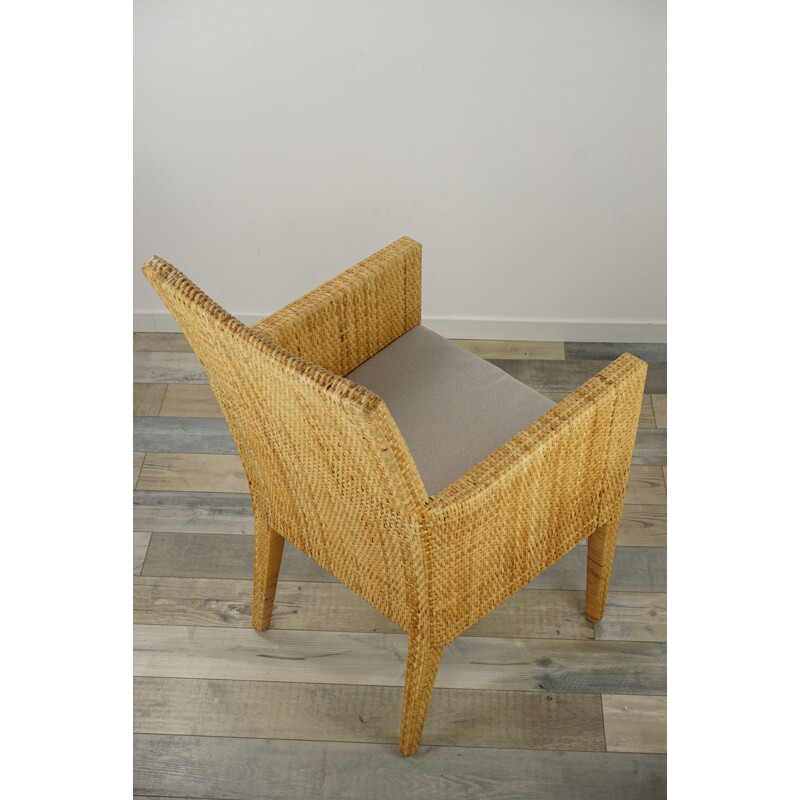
(602, 544)
(268, 552)
(421, 668)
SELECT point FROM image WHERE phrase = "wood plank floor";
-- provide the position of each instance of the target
(532, 701)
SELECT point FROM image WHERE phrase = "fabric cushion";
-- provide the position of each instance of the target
(452, 407)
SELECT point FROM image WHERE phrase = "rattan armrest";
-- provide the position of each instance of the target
(534, 498)
(347, 320)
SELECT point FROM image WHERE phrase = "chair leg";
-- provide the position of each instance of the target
(602, 544)
(421, 668)
(268, 552)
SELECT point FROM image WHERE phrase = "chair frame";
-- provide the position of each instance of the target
(330, 472)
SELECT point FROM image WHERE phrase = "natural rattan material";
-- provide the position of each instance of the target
(329, 471)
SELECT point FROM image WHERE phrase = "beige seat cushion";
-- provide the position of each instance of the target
(452, 407)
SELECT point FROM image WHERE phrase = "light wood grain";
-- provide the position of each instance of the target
(611, 350)
(357, 713)
(514, 349)
(660, 410)
(540, 614)
(333, 607)
(221, 556)
(650, 447)
(636, 569)
(643, 526)
(664, 473)
(566, 376)
(378, 659)
(243, 769)
(647, 418)
(147, 398)
(138, 460)
(161, 342)
(192, 472)
(210, 602)
(189, 435)
(196, 512)
(151, 367)
(190, 400)
(635, 724)
(634, 616)
(645, 486)
(140, 541)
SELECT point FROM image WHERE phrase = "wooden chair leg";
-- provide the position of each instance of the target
(268, 552)
(421, 668)
(602, 544)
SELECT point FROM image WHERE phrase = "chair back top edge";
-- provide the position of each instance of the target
(173, 286)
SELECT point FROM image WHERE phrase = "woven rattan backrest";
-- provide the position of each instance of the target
(327, 467)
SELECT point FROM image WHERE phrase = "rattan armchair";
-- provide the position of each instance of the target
(330, 469)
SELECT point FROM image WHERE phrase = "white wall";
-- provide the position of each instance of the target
(523, 143)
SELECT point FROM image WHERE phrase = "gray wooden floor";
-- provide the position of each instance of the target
(533, 701)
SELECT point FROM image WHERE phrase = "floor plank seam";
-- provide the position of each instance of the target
(603, 718)
(385, 744)
(514, 690)
(403, 633)
(515, 638)
(146, 552)
(392, 745)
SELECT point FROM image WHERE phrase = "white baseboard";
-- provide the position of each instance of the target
(526, 330)
(163, 322)
(529, 330)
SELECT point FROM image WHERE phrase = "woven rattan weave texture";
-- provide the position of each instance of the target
(329, 470)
